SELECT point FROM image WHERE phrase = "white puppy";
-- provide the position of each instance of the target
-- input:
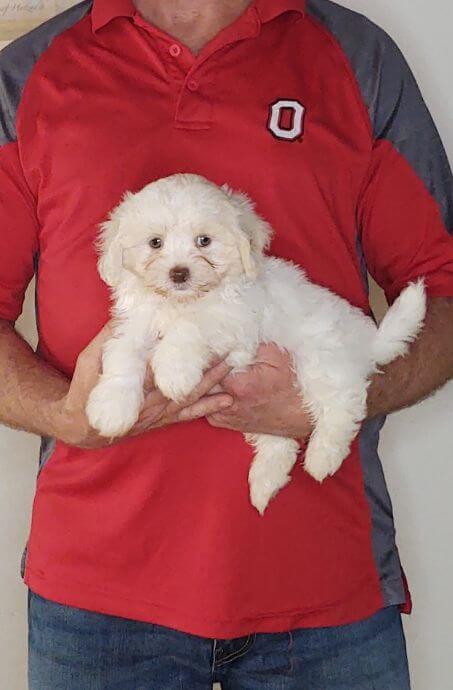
(190, 280)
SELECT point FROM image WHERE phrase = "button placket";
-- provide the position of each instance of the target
(194, 106)
(178, 64)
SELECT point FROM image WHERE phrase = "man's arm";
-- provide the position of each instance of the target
(30, 388)
(427, 367)
(36, 398)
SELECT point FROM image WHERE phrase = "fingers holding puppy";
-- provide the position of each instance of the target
(203, 401)
(206, 406)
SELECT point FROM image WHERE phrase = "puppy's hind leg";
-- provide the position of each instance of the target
(270, 470)
(336, 427)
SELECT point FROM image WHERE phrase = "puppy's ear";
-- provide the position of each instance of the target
(110, 262)
(256, 232)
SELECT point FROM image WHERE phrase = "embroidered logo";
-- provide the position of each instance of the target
(286, 119)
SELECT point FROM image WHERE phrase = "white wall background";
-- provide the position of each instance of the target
(417, 444)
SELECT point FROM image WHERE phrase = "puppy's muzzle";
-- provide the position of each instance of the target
(179, 274)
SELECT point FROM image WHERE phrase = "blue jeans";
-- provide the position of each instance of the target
(70, 649)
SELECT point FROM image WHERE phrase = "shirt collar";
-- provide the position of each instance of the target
(269, 9)
(104, 11)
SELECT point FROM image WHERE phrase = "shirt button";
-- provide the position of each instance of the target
(175, 50)
(192, 85)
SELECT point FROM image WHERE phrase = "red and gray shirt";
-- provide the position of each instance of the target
(311, 110)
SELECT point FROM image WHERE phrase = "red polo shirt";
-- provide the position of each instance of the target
(312, 111)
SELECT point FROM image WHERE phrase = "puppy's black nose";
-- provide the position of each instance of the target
(179, 274)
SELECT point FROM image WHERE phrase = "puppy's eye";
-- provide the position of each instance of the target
(203, 241)
(156, 243)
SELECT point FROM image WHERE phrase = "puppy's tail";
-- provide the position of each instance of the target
(401, 325)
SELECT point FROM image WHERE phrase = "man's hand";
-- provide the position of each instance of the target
(267, 399)
(72, 425)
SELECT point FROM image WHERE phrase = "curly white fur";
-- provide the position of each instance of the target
(234, 298)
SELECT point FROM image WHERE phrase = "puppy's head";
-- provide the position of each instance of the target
(182, 236)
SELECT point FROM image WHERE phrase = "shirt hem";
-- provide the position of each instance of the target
(84, 597)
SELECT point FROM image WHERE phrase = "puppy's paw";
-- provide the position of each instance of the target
(265, 481)
(113, 407)
(318, 468)
(178, 381)
(322, 462)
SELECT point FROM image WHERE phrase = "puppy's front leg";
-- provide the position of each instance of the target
(115, 403)
(179, 360)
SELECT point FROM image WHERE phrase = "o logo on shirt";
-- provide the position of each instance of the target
(286, 119)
